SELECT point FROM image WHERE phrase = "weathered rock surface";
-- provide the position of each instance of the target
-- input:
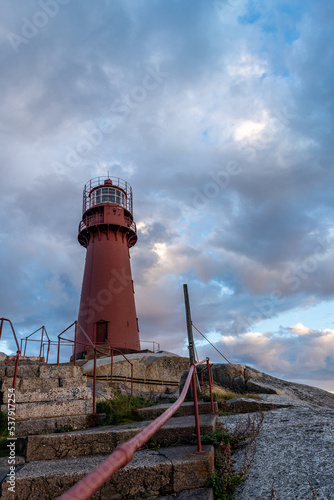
(294, 449)
(243, 379)
(155, 372)
(247, 405)
(294, 454)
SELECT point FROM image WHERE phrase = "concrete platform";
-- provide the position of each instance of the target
(160, 472)
(102, 440)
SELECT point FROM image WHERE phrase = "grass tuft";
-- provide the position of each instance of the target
(221, 394)
(122, 409)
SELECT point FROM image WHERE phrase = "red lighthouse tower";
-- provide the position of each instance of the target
(107, 308)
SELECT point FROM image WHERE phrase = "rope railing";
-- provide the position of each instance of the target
(123, 454)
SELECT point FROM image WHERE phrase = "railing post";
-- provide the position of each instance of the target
(111, 364)
(25, 347)
(75, 344)
(210, 384)
(58, 351)
(16, 368)
(1, 327)
(40, 351)
(47, 356)
(131, 379)
(94, 382)
(198, 430)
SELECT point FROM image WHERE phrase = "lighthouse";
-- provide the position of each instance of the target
(107, 230)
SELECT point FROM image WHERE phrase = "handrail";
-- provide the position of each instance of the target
(13, 331)
(96, 350)
(153, 342)
(28, 339)
(123, 454)
(18, 352)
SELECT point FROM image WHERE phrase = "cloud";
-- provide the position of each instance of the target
(293, 353)
(222, 122)
(300, 329)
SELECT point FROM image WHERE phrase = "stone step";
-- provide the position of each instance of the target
(102, 440)
(200, 494)
(185, 409)
(52, 409)
(43, 384)
(32, 370)
(62, 370)
(51, 424)
(28, 370)
(30, 384)
(150, 472)
(55, 395)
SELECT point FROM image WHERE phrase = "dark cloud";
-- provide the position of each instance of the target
(220, 118)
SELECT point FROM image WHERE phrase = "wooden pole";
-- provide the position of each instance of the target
(189, 325)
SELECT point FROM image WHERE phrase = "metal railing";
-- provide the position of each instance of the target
(90, 344)
(74, 343)
(91, 220)
(41, 351)
(98, 218)
(155, 345)
(99, 181)
(123, 454)
(18, 352)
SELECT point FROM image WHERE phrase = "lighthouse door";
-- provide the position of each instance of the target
(101, 332)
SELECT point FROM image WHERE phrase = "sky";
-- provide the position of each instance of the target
(220, 116)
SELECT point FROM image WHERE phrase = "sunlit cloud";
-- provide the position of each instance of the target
(229, 152)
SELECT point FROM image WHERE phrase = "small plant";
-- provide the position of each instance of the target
(3, 433)
(122, 409)
(222, 437)
(66, 428)
(3, 425)
(221, 394)
(312, 489)
(225, 479)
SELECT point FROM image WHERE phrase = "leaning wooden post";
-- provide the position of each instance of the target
(189, 325)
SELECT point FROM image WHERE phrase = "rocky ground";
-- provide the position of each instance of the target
(295, 447)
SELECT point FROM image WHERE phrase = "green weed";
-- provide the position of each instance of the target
(122, 409)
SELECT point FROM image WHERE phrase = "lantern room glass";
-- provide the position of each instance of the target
(107, 195)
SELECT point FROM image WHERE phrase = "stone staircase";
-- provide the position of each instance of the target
(168, 467)
(46, 396)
